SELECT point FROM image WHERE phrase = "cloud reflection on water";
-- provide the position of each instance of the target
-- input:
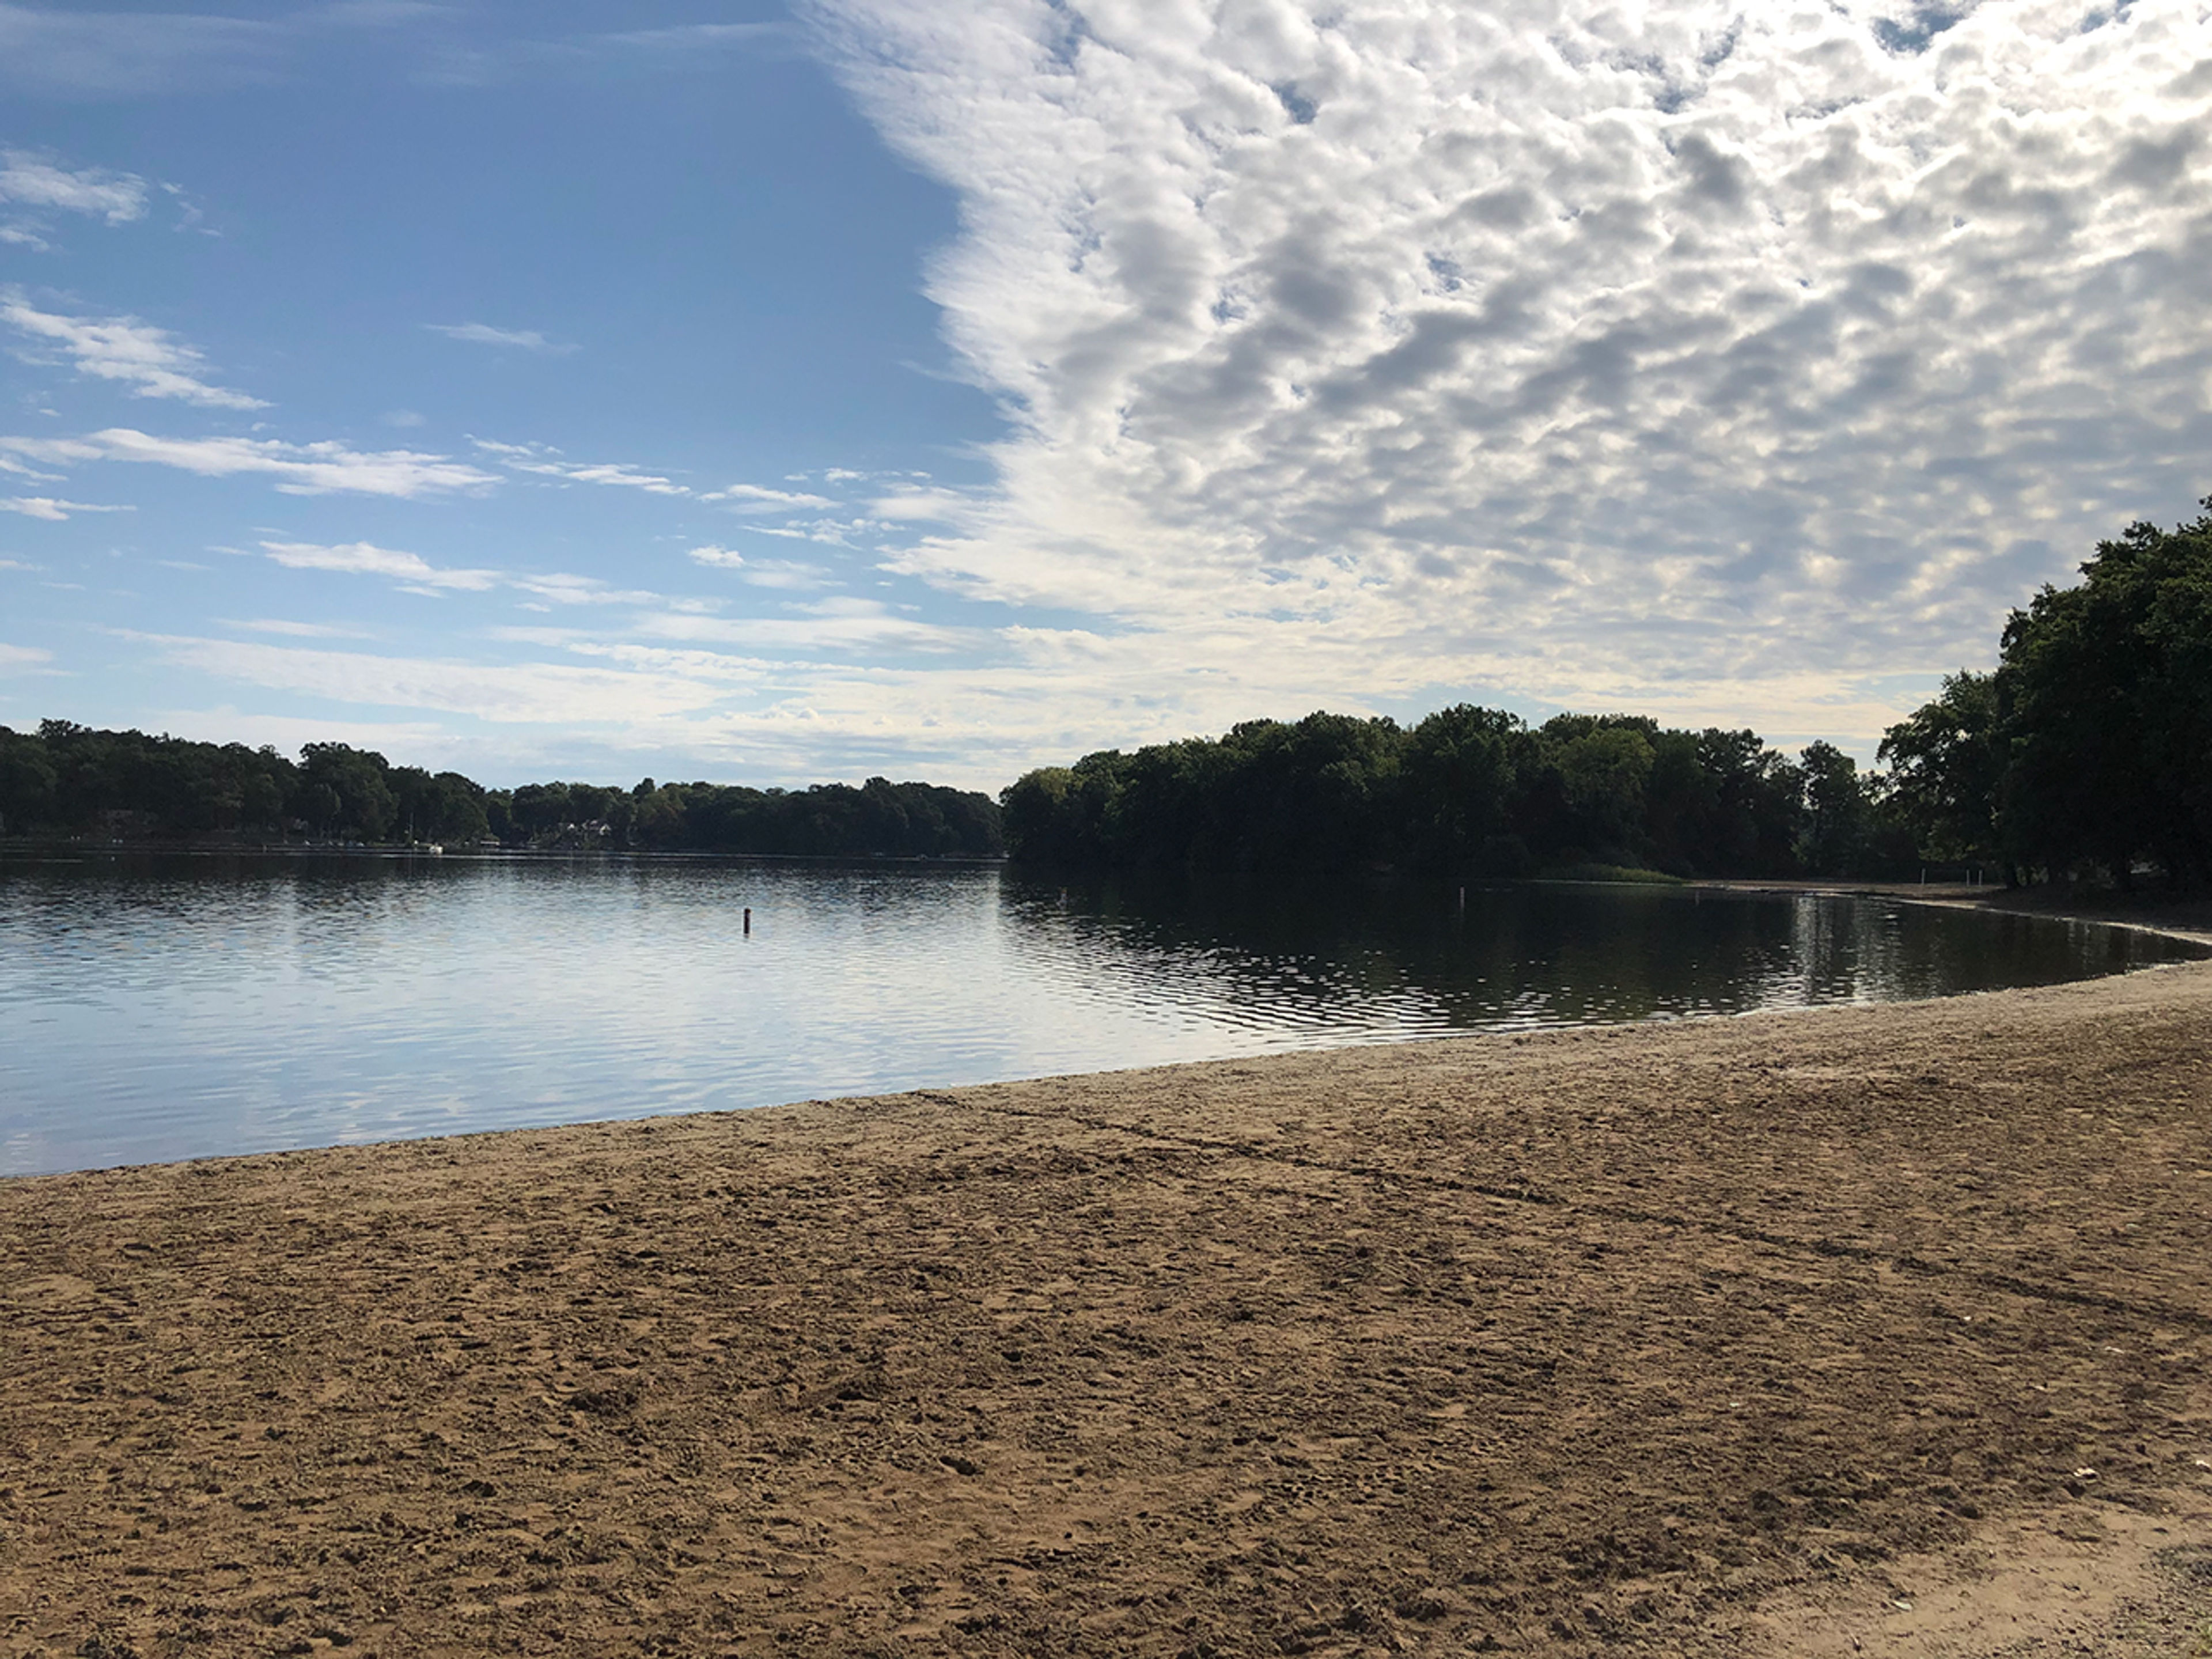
(158, 1008)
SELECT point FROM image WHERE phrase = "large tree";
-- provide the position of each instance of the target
(2105, 693)
(2090, 747)
(1946, 766)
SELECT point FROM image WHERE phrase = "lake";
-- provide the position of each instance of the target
(163, 1006)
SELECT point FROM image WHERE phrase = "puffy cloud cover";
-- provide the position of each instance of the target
(1733, 366)
(1682, 355)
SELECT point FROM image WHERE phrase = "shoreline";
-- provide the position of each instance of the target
(1722, 1336)
(2189, 919)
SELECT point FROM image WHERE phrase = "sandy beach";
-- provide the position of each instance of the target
(1878, 1330)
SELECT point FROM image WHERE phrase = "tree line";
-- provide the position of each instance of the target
(1468, 791)
(70, 780)
(2085, 754)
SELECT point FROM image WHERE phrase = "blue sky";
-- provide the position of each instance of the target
(776, 395)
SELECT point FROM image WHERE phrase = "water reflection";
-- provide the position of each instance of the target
(1400, 959)
(167, 1007)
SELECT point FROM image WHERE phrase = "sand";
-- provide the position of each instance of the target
(1873, 1330)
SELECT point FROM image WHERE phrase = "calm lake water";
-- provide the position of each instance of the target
(157, 1007)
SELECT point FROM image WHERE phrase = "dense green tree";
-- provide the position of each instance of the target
(1457, 776)
(360, 778)
(1603, 768)
(1947, 763)
(2089, 750)
(1468, 791)
(879, 818)
(1759, 800)
(320, 804)
(27, 783)
(261, 796)
(2105, 699)
(1319, 794)
(1041, 817)
(1838, 834)
(445, 807)
(1681, 803)
(71, 779)
(657, 816)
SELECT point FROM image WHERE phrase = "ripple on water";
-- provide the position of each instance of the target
(158, 1008)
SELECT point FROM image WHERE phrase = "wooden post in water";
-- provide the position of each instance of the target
(748, 922)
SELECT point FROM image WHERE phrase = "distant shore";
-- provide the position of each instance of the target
(1770, 1334)
(427, 849)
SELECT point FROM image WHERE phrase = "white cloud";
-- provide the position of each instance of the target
(189, 214)
(316, 469)
(710, 665)
(522, 339)
(302, 630)
(561, 589)
(416, 742)
(827, 532)
(148, 360)
(78, 53)
(631, 477)
(788, 573)
(364, 559)
(504, 693)
(791, 574)
(837, 624)
(1383, 348)
(417, 575)
(14, 658)
(29, 180)
(693, 36)
(542, 460)
(39, 181)
(753, 498)
(50, 508)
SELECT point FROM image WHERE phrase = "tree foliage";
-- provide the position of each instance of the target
(901, 820)
(1946, 762)
(71, 780)
(1467, 790)
(2089, 750)
(2105, 695)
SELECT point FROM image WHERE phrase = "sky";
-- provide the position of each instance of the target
(774, 393)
